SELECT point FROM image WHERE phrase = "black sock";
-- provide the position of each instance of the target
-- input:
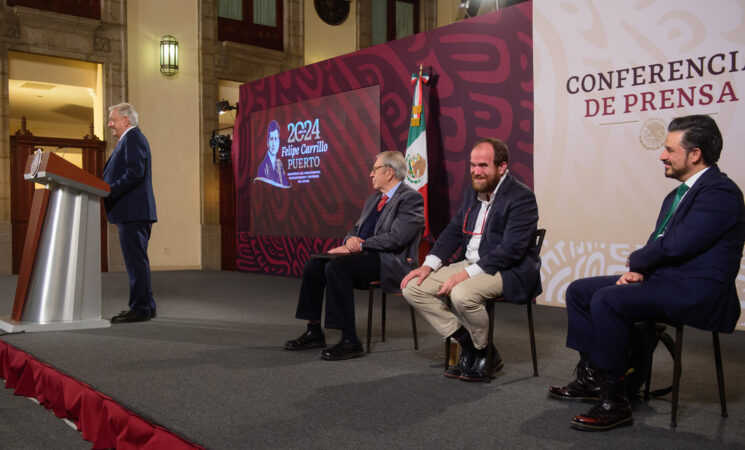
(463, 337)
(315, 328)
(349, 335)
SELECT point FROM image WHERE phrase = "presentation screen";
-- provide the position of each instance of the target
(310, 164)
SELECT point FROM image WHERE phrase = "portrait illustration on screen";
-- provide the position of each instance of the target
(271, 170)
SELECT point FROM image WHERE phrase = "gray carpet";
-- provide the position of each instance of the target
(211, 368)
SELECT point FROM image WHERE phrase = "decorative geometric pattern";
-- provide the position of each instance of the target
(481, 86)
(564, 262)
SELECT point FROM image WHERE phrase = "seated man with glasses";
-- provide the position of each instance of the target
(494, 231)
(379, 247)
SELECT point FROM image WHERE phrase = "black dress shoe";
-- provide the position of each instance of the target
(345, 349)
(307, 340)
(467, 357)
(479, 370)
(586, 387)
(129, 317)
(612, 411)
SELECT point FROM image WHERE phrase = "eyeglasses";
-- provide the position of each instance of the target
(483, 224)
(379, 167)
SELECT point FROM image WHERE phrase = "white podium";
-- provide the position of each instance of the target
(59, 283)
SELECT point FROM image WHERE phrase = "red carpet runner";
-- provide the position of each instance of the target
(100, 419)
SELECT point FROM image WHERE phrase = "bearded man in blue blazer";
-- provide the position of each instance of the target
(684, 274)
(493, 232)
(131, 206)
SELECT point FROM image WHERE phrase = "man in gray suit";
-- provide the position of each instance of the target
(382, 245)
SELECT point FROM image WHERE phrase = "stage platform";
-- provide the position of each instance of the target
(212, 370)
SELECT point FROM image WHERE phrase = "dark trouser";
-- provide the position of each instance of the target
(601, 313)
(338, 276)
(133, 238)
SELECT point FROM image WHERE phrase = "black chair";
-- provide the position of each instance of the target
(489, 304)
(371, 288)
(677, 371)
(413, 252)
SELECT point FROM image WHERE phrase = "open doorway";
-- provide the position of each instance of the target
(60, 97)
(54, 104)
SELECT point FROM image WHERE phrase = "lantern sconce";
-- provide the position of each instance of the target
(168, 55)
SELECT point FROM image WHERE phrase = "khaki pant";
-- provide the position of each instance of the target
(467, 297)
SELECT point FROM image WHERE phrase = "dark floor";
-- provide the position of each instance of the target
(211, 368)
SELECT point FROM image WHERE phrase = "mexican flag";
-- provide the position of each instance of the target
(416, 145)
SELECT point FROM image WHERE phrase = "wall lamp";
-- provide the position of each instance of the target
(224, 106)
(168, 55)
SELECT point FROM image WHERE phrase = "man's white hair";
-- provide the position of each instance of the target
(126, 110)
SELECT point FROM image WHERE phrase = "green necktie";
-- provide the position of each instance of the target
(678, 195)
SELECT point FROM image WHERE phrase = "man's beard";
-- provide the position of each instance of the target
(675, 173)
(487, 187)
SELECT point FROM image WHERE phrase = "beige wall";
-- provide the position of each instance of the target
(169, 118)
(324, 41)
(447, 12)
(26, 66)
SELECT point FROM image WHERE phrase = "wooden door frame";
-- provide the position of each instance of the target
(23, 144)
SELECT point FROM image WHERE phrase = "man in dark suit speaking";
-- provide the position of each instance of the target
(131, 206)
(685, 274)
(494, 229)
(381, 246)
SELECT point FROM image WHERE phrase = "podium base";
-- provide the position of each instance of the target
(14, 326)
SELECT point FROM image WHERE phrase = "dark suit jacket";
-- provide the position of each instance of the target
(397, 234)
(128, 173)
(506, 242)
(701, 250)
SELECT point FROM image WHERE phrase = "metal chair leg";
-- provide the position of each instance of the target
(413, 328)
(449, 304)
(369, 317)
(382, 319)
(720, 372)
(371, 300)
(651, 328)
(490, 338)
(447, 352)
(676, 374)
(532, 339)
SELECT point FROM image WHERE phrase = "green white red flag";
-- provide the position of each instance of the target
(416, 145)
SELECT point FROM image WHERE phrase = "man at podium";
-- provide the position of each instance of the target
(131, 206)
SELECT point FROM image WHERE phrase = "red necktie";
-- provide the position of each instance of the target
(382, 202)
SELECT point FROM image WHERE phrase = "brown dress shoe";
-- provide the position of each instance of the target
(586, 387)
(612, 411)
